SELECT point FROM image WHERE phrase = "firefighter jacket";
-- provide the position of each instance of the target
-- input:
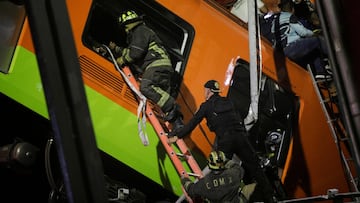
(145, 49)
(219, 185)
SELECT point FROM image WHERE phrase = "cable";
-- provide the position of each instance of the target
(48, 164)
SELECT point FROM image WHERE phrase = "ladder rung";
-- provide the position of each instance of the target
(181, 155)
(349, 159)
(186, 154)
(322, 81)
(326, 100)
(344, 139)
(194, 175)
(330, 121)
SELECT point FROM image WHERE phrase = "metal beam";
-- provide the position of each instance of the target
(337, 25)
(67, 105)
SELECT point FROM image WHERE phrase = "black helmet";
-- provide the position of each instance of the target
(217, 160)
(213, 85)
(128, 17)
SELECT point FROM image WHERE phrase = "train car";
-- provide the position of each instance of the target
(202, 38)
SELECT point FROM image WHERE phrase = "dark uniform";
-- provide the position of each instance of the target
(221, 119)
(219, 185)
(231, 137)
(146, 54)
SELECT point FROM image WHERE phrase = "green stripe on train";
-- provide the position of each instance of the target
(115, 127)
(23, 83)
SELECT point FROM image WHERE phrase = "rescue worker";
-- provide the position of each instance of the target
(231, 136)
(223, 183)
(146, 54)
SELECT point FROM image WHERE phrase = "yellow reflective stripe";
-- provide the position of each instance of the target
(152, 45)
(128, 16)
(164, 95)
(160, 62)
(156, 48)
(127, 55)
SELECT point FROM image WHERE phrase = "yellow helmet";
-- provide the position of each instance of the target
(128, 17)
(217, 160)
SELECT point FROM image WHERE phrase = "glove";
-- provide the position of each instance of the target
(171, 134)
(112, 45)
(120, 62)
(114, 48)
(100, 50)
(172, 140)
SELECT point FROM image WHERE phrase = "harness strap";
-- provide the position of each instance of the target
(141, 114)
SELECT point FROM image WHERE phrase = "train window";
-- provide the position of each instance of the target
(225, 7)
(237, 10)
(177, 34)
(12, 17)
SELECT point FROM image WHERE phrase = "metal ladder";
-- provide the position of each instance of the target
(327, 96)
(177, 158)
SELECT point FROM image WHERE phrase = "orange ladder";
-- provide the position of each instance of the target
(176, 158)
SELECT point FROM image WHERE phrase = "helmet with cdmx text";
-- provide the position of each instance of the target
(128, 17)
(217, 160)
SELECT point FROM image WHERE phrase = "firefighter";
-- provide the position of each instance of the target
(223, 183)
(146, 54)
(231, 136)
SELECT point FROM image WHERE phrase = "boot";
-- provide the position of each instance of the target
(177, 124)
(174, 116)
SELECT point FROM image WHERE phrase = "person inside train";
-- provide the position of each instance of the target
(306, 12)
(146, 54)
(222, 184)
(231, 136)
(270, 11)
(265, 13)
(300, 44)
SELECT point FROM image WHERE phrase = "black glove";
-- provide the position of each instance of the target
(171, 134)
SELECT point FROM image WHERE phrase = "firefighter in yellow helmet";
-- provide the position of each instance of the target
(146, 54)
(231, 137)
(223, 183)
